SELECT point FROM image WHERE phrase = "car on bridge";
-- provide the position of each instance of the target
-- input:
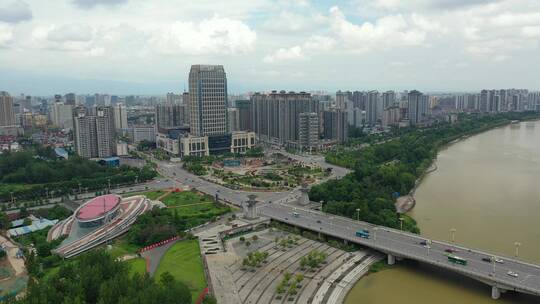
(512, 274)
(451, 250)
(500, 261)
(486, 259)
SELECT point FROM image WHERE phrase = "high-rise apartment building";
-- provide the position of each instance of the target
(171, 116)
(61, 115)
(244, 115)
(120, 116)
(234, 119)
(373, 110)
(418, 107)
(276, 116)
(343, 98)
(308, 131)
(388, 99)
(7, 115)
(335, 125)
(208, 100)
(94, 132)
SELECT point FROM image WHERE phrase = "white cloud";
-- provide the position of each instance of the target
(88, 4)
(285, 54)
(320, 43)
(15, 11)
(287, 22)
(77, 38)
(6, 35)
(211, 36)
(388, 31)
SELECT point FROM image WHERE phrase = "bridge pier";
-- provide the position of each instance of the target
(391, 260)
(495, 293)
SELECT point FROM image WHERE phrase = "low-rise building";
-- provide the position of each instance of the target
(242, 141)
(194, 146)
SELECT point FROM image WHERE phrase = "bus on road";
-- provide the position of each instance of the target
(456, 260)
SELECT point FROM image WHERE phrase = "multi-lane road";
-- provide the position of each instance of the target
(397, 244)
(406, 245)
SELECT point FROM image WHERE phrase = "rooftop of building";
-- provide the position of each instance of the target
(98, 206)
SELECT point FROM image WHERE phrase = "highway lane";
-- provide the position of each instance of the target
(408, 246)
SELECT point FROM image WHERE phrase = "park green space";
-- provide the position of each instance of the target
(184, 262)
(149, 194)
(137, 265)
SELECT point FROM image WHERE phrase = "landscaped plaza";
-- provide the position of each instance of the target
(266, 172)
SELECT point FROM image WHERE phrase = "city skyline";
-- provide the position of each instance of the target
(133, 47)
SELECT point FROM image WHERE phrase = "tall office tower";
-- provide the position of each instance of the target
(388, 99)
(70, 99)
(120, 117)
(208, 100)
(276, 115)
(418, 107)
(7, 115)
(94, 133)
(58, 98)
(308, 130)
(335, 125)
(244, 115)
(61, 115)
(170, 116)
(372, 108)
(342, 98)
(234, 119)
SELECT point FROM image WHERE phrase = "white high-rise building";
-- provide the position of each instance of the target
(208, 100)
(61, 115)
(120, 117)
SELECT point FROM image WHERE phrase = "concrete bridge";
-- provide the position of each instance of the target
(496, 271)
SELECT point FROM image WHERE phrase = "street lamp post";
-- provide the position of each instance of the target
(401, 223)
(428, 244)
(375, 229)
(358, 214)
(109, 183)
(493, 263)
(453, 234)
(517, 244)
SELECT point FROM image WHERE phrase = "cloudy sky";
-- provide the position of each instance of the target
(147, 46)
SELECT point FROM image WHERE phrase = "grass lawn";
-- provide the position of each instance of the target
(137, 265)
(185, 198)
(150, 194)
(122, 247)
(183, 260)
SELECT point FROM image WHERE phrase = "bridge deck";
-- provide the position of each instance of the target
(407, 245)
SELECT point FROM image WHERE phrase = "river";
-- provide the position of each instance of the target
(487, 187)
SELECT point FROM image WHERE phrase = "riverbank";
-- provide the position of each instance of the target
(406, 203)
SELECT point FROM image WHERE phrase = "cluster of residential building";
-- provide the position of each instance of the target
(207, 120)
